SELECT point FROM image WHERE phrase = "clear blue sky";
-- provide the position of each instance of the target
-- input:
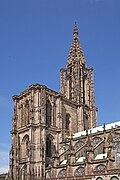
(35, 38)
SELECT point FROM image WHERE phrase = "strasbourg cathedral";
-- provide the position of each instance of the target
(55, 135)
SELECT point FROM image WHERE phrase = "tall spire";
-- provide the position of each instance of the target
(77, 85)
(75, 50)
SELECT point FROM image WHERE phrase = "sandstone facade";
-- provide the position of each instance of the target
(46, 139)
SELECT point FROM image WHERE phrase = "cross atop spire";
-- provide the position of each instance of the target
(75, 32)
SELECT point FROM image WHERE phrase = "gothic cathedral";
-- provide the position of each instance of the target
(55, 135)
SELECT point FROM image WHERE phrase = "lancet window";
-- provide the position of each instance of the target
(27, 112)
(86, 124)
(22, 116)
(25, 147)
(48, 113)
(67, 121)
(48, 147)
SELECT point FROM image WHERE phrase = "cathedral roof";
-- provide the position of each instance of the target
(80, 159)
(98, 129)
(101, 156)
(76, 52)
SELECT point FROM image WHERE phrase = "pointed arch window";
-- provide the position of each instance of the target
(48, 113)
(67, 121)
(86, 124)
(48, 147)
(25, 147)
(27, 112)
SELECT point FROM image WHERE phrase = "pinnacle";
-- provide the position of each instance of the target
(75, 32)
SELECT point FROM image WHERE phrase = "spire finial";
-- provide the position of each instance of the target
(75, 32)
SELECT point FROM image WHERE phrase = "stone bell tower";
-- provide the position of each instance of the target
(77, 84)
(43, 118)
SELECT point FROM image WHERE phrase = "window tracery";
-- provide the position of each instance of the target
(62, 173)
(96, 141)
(79, 171)
(78, 145)
(100, 167)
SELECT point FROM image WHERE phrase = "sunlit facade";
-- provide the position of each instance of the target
(55, 135)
